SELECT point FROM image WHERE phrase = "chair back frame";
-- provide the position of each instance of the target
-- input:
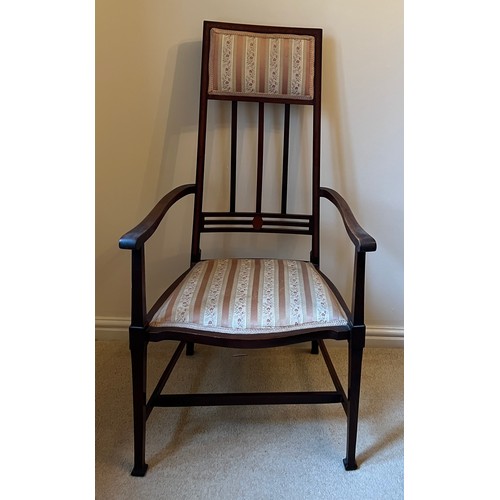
(257, 220)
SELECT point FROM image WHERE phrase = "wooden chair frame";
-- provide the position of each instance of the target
(141, 333)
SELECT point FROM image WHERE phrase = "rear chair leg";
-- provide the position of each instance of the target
(189, 348)
(354, 381)
(314, 347)
(139, 366)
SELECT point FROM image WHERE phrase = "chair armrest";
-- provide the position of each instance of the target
(136, 237)
(361, 239)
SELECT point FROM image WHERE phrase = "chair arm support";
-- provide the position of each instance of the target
(136, 237)
(361, 239)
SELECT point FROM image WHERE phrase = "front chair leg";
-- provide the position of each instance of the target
(354, 381)
(139, 367)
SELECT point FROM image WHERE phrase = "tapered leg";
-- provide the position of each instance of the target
(355, 359)
(139, 367)
(189, 348)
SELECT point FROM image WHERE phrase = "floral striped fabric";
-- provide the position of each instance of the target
(237, 296)
(271, 65)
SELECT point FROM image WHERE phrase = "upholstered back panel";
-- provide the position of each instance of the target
(261, 64)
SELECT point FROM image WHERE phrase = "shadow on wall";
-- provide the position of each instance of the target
(336, 147)
(177, 117)
(337, 252)
(172, 162)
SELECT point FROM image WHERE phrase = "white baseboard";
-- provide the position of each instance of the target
(385, 336)
(111, 328)
(376, 336)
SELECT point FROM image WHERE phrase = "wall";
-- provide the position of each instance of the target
(147, 78)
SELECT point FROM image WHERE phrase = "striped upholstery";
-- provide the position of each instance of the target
(238, 296)
(257, 64)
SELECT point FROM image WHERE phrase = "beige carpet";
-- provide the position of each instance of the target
(269, 452)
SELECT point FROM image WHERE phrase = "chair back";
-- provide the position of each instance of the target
(268, 65)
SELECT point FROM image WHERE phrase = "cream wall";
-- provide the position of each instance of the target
(147, 78)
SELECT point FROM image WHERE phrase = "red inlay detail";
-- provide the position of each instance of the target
(257, 222)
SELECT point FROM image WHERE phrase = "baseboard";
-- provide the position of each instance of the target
(111, 328)
(376, 336)
(385, 336)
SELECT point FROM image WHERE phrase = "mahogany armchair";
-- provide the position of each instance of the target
(251, 302)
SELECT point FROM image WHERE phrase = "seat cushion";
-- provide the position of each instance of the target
(239, 296)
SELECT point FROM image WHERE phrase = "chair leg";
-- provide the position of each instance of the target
(314, 347)
(354, 381)
(139, 368)
(189, 348)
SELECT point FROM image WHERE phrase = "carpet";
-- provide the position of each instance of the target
(249, 452)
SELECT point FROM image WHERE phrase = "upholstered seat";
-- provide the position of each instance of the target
(236, 296)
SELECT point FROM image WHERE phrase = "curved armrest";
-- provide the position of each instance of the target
(136, 237)
(361, 239)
